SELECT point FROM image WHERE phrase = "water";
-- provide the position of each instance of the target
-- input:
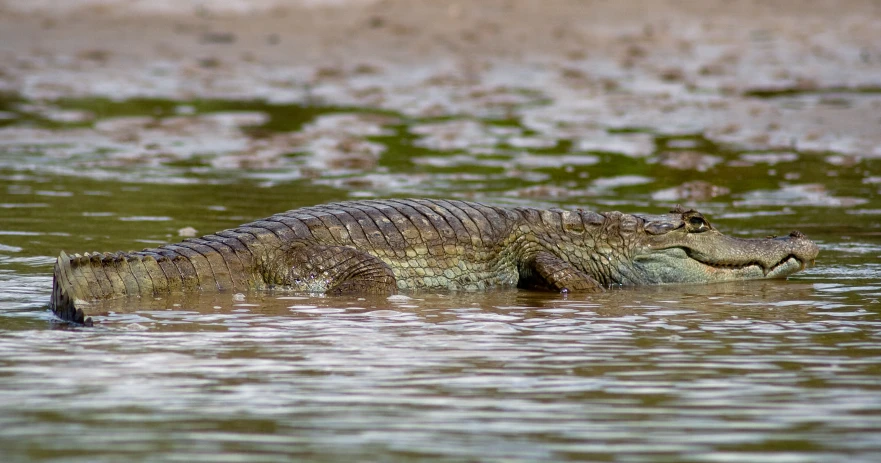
(777, 371)
(745, 372)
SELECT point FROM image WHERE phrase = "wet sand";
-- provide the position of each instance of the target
(709, 67)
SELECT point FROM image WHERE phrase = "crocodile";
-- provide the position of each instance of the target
(385, 246)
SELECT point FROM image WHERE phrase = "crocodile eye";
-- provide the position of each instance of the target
(697, 225)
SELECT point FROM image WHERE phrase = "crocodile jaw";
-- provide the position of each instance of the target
(676, 265)
(679, 257)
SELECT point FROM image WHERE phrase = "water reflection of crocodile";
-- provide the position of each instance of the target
(390, 245)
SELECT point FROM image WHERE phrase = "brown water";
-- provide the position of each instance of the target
(777, 371)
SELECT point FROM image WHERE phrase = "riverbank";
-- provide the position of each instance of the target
(795, 74)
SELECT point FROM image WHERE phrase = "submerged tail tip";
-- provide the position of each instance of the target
(63, 302)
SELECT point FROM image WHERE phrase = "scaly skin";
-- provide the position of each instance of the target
(391, 245)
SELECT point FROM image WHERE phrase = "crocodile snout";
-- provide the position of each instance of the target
(802, 248)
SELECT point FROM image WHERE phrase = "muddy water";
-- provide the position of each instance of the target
(755, 371)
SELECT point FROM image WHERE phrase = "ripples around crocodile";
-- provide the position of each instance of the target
(770, 371)
(757, 371)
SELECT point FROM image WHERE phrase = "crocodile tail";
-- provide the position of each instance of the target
(80, 279)
(65, 294)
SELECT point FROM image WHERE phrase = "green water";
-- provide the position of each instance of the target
(756, 371)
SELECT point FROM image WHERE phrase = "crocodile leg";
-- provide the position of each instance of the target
(310, 267)
(548, 270)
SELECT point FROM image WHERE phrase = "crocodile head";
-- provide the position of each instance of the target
(682, 247)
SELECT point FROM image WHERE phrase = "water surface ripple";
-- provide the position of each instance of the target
(770, 371)
(773, 371)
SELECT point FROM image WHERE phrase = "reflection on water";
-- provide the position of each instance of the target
(762, 371)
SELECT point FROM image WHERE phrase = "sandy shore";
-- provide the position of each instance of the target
(668, 66)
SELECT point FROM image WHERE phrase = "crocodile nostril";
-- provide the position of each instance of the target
(797, 234)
